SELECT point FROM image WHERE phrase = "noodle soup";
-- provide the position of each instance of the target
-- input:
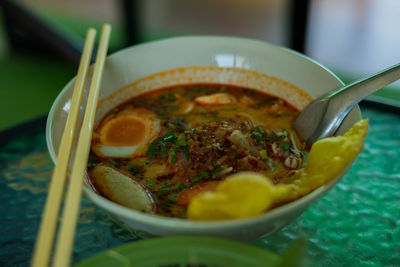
(177, 142)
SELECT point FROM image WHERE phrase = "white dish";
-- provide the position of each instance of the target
(204, 59)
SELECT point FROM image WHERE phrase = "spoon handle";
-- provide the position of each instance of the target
(325, 114)
(358, 90)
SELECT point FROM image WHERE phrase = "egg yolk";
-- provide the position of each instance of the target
(124, 131)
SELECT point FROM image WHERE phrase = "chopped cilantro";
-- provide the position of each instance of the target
(153, 148)
(156, 200)
(172, 155)
(215, 171)
(179, 123)
(164, 110)
(198, 89)
(166, 205)
(150, 182)
(163, 191)
(170, 137)
(263, 154)
(257, 134)
(274, 137)
(113, 163)
(92, 161)
(257, 105)
(285, 146)
(182, 186)
(134, 169)
(182, 141)
(201, 110)
(285, 114)
(259, 129)
(199, 177)
(171, 200)
(170, 97)
(180, 90)
(169, 183)
(187, 154)
(169, 144)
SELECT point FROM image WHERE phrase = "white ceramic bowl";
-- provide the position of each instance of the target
(196, 59)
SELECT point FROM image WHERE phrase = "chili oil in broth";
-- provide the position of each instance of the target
(207, 132)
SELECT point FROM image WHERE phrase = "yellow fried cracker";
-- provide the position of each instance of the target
(248, 194)
(242, 195)
(330, 157)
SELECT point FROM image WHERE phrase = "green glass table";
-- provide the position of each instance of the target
(357, 223)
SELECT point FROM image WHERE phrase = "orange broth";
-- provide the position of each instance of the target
(201, 134)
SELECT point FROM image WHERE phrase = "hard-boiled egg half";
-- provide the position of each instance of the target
(126, 134)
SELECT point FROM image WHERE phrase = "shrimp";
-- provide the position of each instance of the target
(216, 99)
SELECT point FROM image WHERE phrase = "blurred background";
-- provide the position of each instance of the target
(40, 40)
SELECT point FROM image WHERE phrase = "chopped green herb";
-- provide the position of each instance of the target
(263, 154)
(172, 155)
(156, 200)
(166, 205)
(152, 151)
(92, 161)
(201, 110)
(199, 177)
(285, 114)
(187, 154)
(259, 129)
(168, 183)
(163, 148)
(285, 146)
(171, 200)
(182, 186)
(134, 170)
(169, 144)
(180, 90)
(164, 110)
(163, 191)
(170, 137)
(215, 171)
(274, 137)
(257, 134)
(198, 88)
(182, 140)
(179, 123)
(170, 97)
(257, 105)
(150, 182)
(112, 162)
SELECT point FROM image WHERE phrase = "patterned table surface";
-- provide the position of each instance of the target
(357, 223)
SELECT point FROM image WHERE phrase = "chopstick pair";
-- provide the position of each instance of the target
(44, 243)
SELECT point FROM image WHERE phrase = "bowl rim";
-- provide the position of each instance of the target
(185, 224)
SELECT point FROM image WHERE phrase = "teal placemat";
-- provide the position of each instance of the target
(357, 223)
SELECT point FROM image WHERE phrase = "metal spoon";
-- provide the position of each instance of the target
(323, 116)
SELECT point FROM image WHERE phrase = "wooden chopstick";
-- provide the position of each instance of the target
(71, 211)
(48, 224)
